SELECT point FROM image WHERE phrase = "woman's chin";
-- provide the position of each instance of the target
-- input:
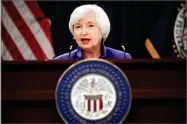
(87, 46)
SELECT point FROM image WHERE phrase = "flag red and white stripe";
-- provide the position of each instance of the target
(25, 32)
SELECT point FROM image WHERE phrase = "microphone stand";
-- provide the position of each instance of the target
(123, 47)
(70, 48)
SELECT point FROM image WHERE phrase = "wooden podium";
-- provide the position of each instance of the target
(158, 90)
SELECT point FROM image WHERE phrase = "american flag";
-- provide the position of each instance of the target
(25, 32)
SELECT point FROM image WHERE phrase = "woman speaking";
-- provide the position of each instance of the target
(90, 27)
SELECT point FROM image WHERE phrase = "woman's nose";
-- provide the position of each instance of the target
(84, 31)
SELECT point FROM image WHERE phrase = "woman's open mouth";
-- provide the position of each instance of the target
(85, 40)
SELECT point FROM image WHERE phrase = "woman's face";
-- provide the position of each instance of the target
(87, 34)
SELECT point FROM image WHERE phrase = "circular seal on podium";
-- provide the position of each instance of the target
(93, 91)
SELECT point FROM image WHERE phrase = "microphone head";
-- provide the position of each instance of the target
(71, 43)
(70, 47)
(123, 47)
(121, 44)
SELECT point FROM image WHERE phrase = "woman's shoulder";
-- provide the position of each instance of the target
(117, 53)
(66, 56)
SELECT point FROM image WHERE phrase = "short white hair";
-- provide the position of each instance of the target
(102, 19)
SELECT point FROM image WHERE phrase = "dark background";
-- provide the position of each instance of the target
(131, 23)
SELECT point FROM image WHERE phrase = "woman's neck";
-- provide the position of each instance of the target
(94, 53)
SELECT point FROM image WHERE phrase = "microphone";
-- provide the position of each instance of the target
(123, 47)
(70, 48)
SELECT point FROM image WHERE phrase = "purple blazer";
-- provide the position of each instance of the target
(107, 53)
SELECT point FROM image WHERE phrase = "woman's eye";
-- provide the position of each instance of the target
(77, 27)
(91, 25)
